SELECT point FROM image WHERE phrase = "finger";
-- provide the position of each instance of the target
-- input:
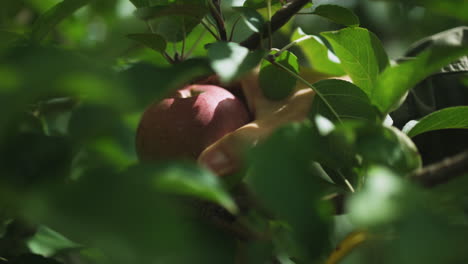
(225, 156)
(251, 90)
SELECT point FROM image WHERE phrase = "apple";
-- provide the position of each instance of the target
(183, 125)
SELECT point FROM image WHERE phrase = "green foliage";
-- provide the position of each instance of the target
(317, 54)
(76, 75)
(394, 82)
(153, 41)
(451, 117)
(251, 18)
(345, 98)
(337, 14)
(361, 53)
(292, 188)
(276, 83)
(230, 60)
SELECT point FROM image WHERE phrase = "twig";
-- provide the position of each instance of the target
(215, 9)
(443, 171)
(209, 30)
(280, 18)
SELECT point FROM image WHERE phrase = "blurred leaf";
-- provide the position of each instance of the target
(451, 117)
(101, 130)
(382, 200)
(153, 41)
(47, 242)
(251, 18)
(453, 8)
(174, 28)
(188, 179)
(32, 159)
(277, 84)
(387, 146)
(405, 222)
(53, 16)
(361, 53)
(396, 81)
(291, 187)
(193, 10)
(317, 54)
(32, 259)
(337, 14)
(347, 100)
(259, 3)
(125, 216)
(149, 83)
(230, 60)
(9, 39)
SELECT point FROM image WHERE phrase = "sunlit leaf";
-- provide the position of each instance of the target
(47, 242)
(381, 201)
(251, 18)
(319, 57)
(452, 117)
(230, 60)
(361, 54)
(194, 181)
(396, 81)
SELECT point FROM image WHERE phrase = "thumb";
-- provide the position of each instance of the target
(226, 155)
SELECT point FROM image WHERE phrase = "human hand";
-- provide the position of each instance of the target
(225, 156)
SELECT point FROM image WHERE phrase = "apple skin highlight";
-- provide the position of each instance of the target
(183, 125)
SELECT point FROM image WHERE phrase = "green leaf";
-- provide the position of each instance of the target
(381, 201)
(347, 100)
(361, 53)
(47, 242)
(149, 82)
(284, 180)
(193, 10)
(251, 18)
(54, 16)
(386, 146)
(230, 60)
(338, 14)
(317, 54)
(451, 117)
(187, 179)
(396, 81)
(153, 41)
(276, 83)
(125, 216)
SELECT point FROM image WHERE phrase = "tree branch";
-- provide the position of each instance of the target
(443, 171)
(280, 18)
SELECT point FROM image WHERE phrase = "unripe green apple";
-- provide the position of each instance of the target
(183, 125)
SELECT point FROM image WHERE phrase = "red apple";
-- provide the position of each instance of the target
(183, 125)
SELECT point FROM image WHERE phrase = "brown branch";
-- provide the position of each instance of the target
(443, 171)
(278, 20)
